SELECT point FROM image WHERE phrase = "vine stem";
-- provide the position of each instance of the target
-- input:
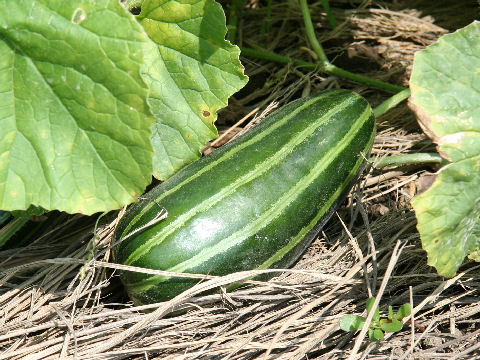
(280, 59)
(311, 35)
(411, 159)
(391, 102)
(323, 64)
(328, 67)
(334, 70)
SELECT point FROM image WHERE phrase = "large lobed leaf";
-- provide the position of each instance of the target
(79, 81)
(193, 73)
(445, 86)
(75, 125)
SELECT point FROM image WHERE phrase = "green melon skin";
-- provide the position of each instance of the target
(255, 203)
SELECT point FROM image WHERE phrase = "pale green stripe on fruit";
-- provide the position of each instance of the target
(300, 236)
(257, 171)
(224, 157)
(272, 213)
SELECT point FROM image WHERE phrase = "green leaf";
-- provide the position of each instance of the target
(403, 311)
(369, 306)
(75, 123)
(392, 326)
(351, 322)
(31, 211)
(375, 334)
(193, 74)
(390, 312)
(378, 334)
(475, 255)
(445, 86)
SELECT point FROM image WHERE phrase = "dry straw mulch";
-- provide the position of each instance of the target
(60, 297)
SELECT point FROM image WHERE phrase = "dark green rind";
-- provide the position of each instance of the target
(255, 203)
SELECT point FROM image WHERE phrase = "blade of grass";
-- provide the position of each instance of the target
(393, 260)
(235, 11)
(266, 22)
(7, 231)
(331, 18)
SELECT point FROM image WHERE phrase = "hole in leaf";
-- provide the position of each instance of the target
(79, 15)
(136, 10)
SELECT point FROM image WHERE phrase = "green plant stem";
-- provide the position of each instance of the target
(411, 159)
(280, 59)
(330, 69)
(324, 64)
(334, 70)
(311, 34)
(391, 102)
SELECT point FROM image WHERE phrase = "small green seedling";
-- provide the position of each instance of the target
(378, 326)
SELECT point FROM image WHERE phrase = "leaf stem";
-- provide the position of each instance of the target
(391, 102)
(411, 159)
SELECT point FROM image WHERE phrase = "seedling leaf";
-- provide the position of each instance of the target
(193, 72)
(370, 335)
(351, 322)
(375, 334)
(445, 87)
(403, 311)
(392, 326)
(75, 123)
(369, 306)
(378, 334)
(390, 312)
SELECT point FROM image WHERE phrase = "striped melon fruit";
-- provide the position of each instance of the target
(255, 203)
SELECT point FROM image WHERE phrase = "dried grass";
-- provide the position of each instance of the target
(61, 298)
